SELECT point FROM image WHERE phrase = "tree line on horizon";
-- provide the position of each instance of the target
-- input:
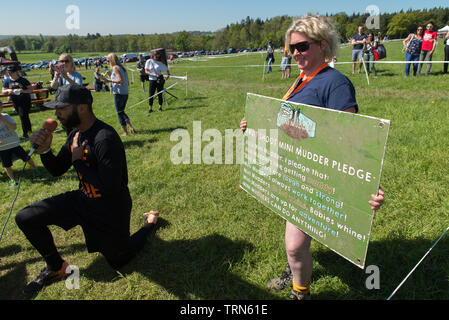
(249, 33)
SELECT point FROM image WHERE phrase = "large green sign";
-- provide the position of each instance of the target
(316, 168)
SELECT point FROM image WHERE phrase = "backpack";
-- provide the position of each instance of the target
(380, 52)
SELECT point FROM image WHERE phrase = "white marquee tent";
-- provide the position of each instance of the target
(445, 29)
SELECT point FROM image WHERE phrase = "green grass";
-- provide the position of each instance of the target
(219, 243)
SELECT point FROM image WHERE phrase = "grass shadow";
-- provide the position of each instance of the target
(395, 258)
(161, 130)
(184, 108)
(133, 143)
(189, 268)
(14, 280)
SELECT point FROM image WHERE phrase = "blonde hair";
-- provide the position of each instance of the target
(317, 28)
(115, 61)
(66, 56)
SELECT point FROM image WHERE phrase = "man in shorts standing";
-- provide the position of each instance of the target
(357, 51)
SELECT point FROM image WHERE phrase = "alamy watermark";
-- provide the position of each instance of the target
(72, 22)
(73, 280)
(373, 21)
(373, 281)
(261, 147)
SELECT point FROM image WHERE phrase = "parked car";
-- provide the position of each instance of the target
(25, 67)
(130, 57)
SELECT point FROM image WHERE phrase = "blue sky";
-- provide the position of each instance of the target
(130, 16)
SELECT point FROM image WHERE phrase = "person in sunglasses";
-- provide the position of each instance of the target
(65, 72)
(428, 47)
(412, 45)
(313, 41)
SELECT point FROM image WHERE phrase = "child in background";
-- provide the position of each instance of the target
(19, 89)
(10, 145)
(284, 64)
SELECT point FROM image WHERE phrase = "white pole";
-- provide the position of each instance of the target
(403, 281)
(366, 71)
(263, 74)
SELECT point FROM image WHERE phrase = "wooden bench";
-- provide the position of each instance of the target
(33, 101)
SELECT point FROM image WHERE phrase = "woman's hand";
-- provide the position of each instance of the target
(377, 200)
(243, 125)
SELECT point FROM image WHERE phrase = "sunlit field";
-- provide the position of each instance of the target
(217, 242)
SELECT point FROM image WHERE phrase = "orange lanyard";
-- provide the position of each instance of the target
(292, 91)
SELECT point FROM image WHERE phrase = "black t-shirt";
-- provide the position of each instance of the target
(141, 65)
(19, 83)
(103, 183)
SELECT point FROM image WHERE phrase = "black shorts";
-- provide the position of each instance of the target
(143, 77)
(6, 156)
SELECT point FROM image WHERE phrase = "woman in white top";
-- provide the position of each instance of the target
(154, 68)
(119, 86)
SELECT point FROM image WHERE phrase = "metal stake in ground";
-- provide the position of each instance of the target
(413, 270)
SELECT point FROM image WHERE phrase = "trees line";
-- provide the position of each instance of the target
(249, 33)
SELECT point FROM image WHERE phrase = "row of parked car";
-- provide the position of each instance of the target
(133, 57)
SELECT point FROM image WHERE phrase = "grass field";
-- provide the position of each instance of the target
(216, 242)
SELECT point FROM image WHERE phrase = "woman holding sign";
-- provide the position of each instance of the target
(313, 41)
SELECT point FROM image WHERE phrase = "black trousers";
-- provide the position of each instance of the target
(154, 85)
(23, 109)
(446, 58)
(63, 211)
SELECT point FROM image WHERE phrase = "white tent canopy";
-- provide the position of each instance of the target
(445, 29)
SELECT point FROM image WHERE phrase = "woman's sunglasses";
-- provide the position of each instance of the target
(302, 46)
(64, 61)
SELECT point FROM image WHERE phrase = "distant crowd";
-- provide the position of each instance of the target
(419, 46)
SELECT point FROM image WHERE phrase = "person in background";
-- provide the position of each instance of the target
(100, 81)
(65, 72)
(154, 68)
(10, 146)
(357, 51)
(428, 47)
(19, 90)
(140, 66)
(120, 83)
(3, 74)
(51, 69)
(446, 52)
(289, 65)
(368, 55)
(270, 56)
(412, 45)
(284, 64)
(313, 41)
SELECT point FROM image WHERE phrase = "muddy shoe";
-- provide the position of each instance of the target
(285, 280)
(295, 295)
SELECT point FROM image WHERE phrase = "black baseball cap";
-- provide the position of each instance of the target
(70, 94)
